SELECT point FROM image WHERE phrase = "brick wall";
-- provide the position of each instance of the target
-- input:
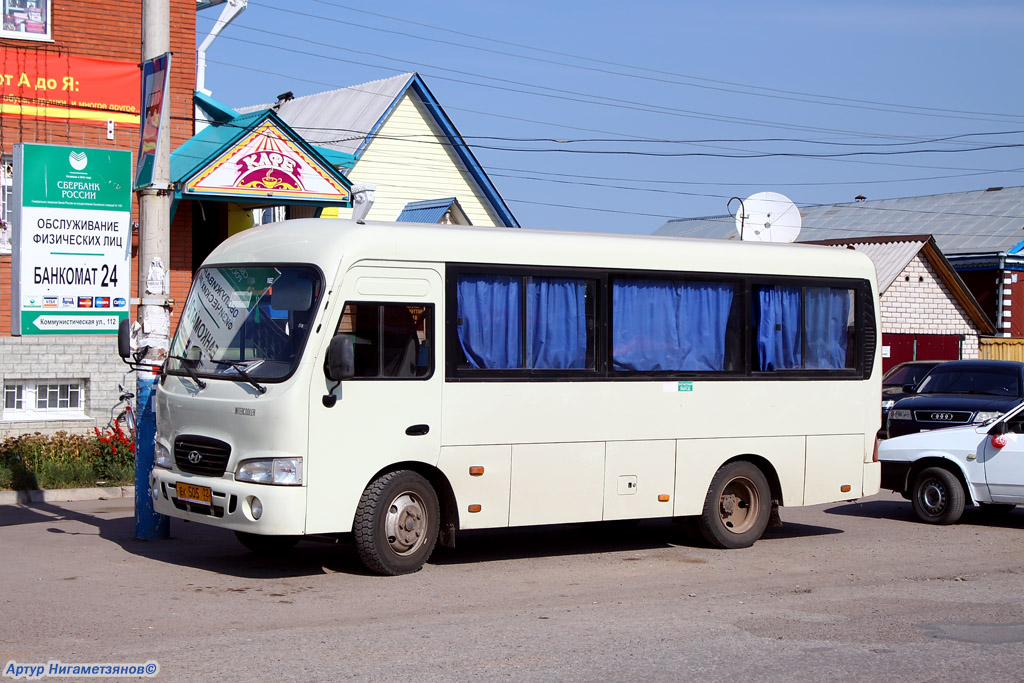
(918, 302)
(108, 29)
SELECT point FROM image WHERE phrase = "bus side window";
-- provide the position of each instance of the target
(389, 340)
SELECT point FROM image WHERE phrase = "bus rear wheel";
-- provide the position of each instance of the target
(737, 507)
(397, 523)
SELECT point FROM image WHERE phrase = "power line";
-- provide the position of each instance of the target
(773, 93)
(553, 93)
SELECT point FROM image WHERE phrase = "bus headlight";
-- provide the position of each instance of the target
(899, 414)
(274, 471)
(162, 456)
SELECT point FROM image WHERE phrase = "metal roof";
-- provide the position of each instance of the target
(978, 222)
(427, 211)
(340, 119)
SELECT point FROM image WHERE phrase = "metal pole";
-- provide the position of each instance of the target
(154, 262)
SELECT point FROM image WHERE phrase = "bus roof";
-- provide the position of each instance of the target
(327, 242)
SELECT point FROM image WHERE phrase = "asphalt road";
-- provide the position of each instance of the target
(842, 592)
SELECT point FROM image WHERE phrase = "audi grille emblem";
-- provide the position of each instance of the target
(194, 457)
(936, 417)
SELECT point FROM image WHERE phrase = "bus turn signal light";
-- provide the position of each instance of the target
(476, 471)
(845, 488)
(663, 498)
(474, 508)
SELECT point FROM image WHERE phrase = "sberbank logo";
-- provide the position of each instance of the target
(78, 160)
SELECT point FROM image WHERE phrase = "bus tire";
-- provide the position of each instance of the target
(937, 496)
(267, 546)
(737, 507)
(396, 523)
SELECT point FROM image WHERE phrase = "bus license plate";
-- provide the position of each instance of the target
(194, 494)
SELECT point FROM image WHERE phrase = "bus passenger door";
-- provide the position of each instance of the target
(390, 411)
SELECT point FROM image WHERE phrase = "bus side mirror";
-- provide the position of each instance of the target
(1000, 427)
(339, 365)
(124, 338)
(340, 362)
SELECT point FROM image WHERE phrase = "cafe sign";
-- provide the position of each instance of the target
(266, 164)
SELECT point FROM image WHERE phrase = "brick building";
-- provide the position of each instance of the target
(928, 313)
(69, 382)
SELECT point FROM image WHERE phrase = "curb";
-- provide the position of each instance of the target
(65, 495)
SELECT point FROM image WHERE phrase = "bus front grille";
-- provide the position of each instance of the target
(201, 455)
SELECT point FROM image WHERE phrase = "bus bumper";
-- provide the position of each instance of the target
(232, 503)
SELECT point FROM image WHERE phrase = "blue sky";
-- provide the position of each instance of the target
(616, 117)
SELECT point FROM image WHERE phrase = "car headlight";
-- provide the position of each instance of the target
(886, 405)
(986, 415)
(274, 471)
(899, 414)
(162, 456)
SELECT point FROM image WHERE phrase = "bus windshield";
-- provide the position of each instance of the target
(248, 321)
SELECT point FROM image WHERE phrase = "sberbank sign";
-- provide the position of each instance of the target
(72, 238)
(77, 178)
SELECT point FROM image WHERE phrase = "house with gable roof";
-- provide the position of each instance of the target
(404, 143)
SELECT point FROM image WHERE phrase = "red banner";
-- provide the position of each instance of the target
(49, 85)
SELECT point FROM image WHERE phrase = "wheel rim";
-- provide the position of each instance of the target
(932, 497)
(406, 523)
(739, 505)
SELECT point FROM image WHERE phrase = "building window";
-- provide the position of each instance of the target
(6, 195)
(44, 400)
(26, 19)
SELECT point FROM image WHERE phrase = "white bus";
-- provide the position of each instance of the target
(400, 382)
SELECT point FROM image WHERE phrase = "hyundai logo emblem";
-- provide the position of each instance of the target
(936, 417)
(194, 457)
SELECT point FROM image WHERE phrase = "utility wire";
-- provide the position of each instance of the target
(773, 93)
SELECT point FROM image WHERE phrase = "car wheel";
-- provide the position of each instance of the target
(397, 523)
(937, 496)
(737, 506)
(268, 546)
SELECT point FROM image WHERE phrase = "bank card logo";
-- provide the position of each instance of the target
(50, 301)
(85, 302)
(78, 160)
(31, 302)
(120, 302)
(68, 302)
(101, 302)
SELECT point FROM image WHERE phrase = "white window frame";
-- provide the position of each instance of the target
(29, 391)
(16, 13)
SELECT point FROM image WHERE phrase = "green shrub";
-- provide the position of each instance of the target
(33, 461)
(53, 474)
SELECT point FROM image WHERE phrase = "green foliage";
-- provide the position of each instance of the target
(35, 461)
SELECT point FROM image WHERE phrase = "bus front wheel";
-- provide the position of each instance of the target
(737, 507)
(397, 523)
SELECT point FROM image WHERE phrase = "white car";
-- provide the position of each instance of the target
(941, 471)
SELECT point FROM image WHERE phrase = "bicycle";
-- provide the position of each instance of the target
(124, 420)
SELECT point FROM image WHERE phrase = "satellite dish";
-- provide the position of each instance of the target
(768, 217)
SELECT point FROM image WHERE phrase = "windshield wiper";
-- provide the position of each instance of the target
(187, 364)
(239, 367)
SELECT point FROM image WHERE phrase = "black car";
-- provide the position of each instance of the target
(895, 383)
(959, 392)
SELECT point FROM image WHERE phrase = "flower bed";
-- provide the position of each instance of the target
(64, 460)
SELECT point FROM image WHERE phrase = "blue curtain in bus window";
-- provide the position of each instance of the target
(826, 314)
(778, 328)
(489, 324)
(556, 323)
(662, 325)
